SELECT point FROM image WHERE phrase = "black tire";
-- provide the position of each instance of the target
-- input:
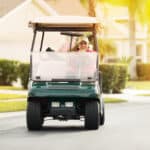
(34, 116)
(102, 116)
(91, 115)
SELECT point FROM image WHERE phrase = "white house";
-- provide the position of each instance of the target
(116, 22)
(15, 36)
(117, 28)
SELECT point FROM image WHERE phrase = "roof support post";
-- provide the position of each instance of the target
(43, 33)
(33, 41)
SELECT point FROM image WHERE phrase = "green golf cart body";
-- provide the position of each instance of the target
(64, 84)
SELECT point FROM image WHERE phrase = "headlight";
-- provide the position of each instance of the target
(55, 104)
(68, 104)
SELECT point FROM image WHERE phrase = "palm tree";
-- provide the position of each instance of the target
(145, 19)
(91, 6)
(134, 6)
(106, 47)
(131, 4)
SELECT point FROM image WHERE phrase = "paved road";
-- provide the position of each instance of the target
(127, 128)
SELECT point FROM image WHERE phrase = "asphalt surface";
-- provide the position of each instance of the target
(127, 127)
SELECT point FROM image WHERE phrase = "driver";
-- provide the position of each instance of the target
(84, 45)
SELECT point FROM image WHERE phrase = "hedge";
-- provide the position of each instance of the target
(121, 78)
(11, 70)
(109, 77)
(24, 74)
(143, 71)
(114, 77)
(8, 71)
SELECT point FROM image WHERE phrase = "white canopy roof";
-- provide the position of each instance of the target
(64, 20)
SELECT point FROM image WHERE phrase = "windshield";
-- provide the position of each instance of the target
(50, 66)
(61, 41)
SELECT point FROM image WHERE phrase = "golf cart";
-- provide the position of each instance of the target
(64, 84)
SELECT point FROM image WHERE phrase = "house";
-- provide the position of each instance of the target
(7, 5)
(117, 29)
(68, 7)
(15, 36)
(116, 26)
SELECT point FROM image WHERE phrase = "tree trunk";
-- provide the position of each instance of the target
(91, 8)
(148, 43)
(132, 39)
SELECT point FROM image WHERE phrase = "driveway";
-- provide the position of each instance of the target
(127, 127)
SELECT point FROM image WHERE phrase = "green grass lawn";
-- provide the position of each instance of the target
(10, 88)
(143, 95)
(114, 100)
(12, 106)
(11, 96)
(139, 85)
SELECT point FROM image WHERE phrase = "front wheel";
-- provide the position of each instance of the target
(102, 116)
(34, 116)
(91, 115)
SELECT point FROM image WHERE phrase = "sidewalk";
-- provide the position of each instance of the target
(21, 92)
(131, 95)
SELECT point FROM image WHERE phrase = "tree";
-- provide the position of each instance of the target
(91, 6)
(134, 8)
(107, 47)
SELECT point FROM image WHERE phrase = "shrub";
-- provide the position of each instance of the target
(109, 73)
(143, 71)
(24, 74)
(8, 71)
(121, 78)
(106, 47)
(114, 77)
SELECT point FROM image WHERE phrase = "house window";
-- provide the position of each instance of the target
(139, 48)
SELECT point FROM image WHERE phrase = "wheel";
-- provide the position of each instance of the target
(102, 116)
(34, 116)
(91, 115)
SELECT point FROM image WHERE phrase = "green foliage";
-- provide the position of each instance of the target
(109, 73)
(8, 71)
(106, 47)
(24, 74)
(143, 71)
(11, 96)
(139, 85)
(114, 77)
(114, 100)
(117, 2)
(12, 106)
(84, 3)
(125, 60)
(121, 79)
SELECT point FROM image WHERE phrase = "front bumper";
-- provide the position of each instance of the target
(64, 91)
